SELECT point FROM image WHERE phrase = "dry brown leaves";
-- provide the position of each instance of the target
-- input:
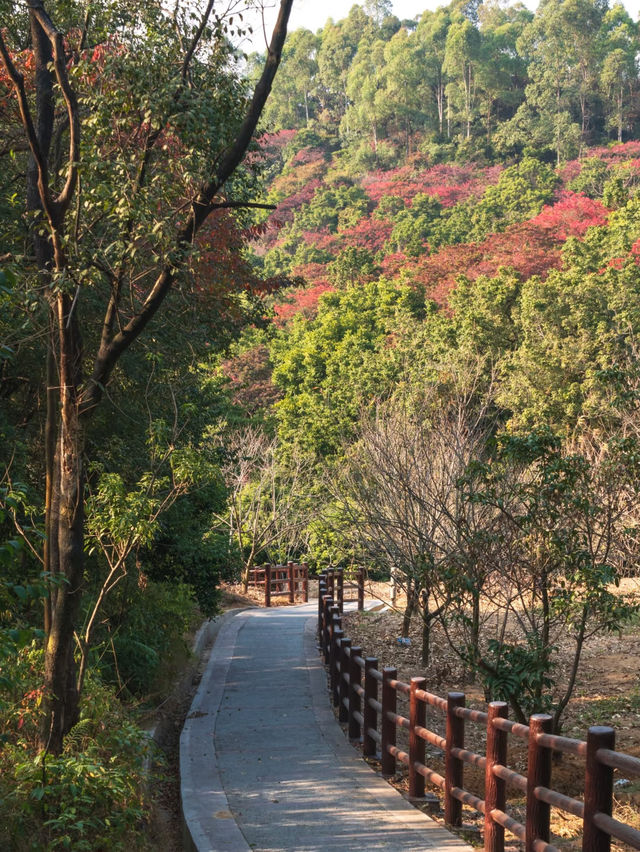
(607, 692)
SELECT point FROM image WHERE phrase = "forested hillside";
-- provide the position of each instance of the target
(467, 80)
(454, 363)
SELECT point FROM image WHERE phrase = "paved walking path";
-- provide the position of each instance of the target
(266, 767)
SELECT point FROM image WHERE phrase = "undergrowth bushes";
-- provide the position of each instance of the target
(141, 628)
(91, 797)
(95, 795)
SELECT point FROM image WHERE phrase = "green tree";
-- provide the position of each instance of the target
(561, 48)
(329, 367)
(338, 45)
(432, 37)
(369, 108)
(501, 71)
(176, 136)
(462, 56)
(292, 101)
(403, 84)
(619, 71)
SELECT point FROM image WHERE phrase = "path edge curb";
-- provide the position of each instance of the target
(203, 801)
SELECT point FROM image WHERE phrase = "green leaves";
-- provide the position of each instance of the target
(124, 517)
(519, 674)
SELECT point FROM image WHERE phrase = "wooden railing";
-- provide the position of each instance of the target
(367, 701)
(291, 579)
(341, 580)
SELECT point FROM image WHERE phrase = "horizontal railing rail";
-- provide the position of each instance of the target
(367, 701)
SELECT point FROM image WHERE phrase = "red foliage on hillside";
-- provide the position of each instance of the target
(531, 248)
(451, 183)
(249, 375)
(617, 153)
(369, 233)
(221, 269)
(322, 240)
(571, 215)
(303, 300)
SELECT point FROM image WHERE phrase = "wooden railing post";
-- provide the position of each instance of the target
(361, 588)
(417, 718)
(334, 624)
(305, 582)
(267, 585)
(322, 591)
(338, 635)
(370, 716)
(598, 789)
(340, 588)
(331, 582)
(388, 726)
(355, 704)
(326, 644)
(538, 775)
(454, 767)
(494, 787)
(292, 587)
(344, 656)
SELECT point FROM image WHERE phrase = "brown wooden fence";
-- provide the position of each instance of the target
(279, 580)
(367, 701)
(345, 580)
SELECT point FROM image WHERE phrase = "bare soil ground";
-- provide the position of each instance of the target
(607, 693)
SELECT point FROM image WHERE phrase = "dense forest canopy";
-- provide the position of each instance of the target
(560, 79)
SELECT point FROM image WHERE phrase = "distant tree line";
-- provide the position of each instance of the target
(467, 78)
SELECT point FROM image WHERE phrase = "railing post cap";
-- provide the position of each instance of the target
(540, 717)
(455, 696)
(388, 669)
(601, 730)
(370, 661)
(418, 679)
(498, 705)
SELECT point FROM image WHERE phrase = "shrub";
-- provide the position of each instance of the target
(91, 797)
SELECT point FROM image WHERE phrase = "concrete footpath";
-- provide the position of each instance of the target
(266, 767)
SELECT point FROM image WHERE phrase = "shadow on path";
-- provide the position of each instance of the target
(264, 764)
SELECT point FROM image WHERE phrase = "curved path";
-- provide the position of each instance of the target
(266, 767)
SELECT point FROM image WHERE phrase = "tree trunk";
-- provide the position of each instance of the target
(620, 98)
(426, 636)
(246, 571)
(412, 599)
(66, 546)
(475, 624)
